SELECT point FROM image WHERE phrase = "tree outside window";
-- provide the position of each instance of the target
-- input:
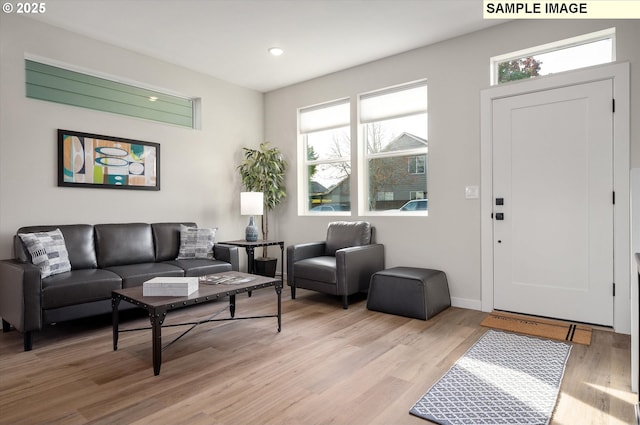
(559, 56)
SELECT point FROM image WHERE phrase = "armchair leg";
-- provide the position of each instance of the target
(293, 292)
(27, 341)
(345, 302)
(6, 326)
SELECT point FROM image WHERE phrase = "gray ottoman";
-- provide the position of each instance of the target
(409, 291)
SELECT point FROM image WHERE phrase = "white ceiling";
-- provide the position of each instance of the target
(228, 39)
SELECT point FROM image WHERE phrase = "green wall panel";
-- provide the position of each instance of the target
(46, 82)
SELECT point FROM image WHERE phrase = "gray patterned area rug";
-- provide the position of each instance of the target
(504, 379)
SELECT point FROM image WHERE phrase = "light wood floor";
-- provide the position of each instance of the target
(327, 366)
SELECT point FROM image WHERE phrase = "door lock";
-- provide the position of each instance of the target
(499, 216)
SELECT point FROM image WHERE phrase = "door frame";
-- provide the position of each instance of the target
(619, 74)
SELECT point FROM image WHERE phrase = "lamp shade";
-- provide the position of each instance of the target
(251, 203)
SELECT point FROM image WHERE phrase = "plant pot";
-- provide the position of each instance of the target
(265, 266)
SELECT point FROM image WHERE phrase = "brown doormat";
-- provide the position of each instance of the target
(536, 326)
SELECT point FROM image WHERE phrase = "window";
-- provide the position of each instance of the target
(417, 164)
(393, 140)
(325, 150)
(61, 85)
(417, 195)
(564, 55)
(385, 196)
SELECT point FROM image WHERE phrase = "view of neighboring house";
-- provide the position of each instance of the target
(334, 198)
(393, 180)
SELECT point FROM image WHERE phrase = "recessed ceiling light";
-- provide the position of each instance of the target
(276, 51)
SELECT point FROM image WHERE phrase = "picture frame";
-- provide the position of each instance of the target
(106, 162)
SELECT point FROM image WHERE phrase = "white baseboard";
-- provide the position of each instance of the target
(466, 303)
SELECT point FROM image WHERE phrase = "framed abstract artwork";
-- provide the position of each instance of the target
(93, 160)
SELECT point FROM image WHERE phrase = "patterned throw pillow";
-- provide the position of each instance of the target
(196, 242)
(48, 251)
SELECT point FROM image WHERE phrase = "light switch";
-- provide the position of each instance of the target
(471, 192)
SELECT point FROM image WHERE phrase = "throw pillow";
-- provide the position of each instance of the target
(48, 251)
(196, 242)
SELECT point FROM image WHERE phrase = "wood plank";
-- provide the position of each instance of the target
(327, 366)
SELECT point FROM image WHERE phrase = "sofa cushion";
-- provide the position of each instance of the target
(344, 234)
(78, 286)
(166, 237)
(78, 239)
(48, 251)
(201, 266)
(196, 243)
(128, 243)
(137, 274)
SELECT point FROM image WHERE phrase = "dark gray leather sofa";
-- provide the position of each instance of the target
(103, 257)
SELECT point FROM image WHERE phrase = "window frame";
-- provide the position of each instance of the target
(304, 163)
(415, 170)
(364, 156)
(609, 33)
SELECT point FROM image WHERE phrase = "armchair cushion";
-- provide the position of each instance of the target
(343, 234)
(322, 269)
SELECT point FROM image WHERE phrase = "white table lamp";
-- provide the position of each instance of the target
(251, 204)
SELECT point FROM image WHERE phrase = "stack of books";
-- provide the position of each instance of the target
(170, 287)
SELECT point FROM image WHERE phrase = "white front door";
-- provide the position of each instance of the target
(553, 203)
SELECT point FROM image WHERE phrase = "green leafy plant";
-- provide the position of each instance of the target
(263, 170)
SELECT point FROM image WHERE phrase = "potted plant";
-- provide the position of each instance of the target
(262, 170)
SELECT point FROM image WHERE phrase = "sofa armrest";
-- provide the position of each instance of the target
(355, 265)
(228, 253)
(20, 295)
(301, 252)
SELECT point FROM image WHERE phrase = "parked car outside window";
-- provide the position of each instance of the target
(332, 207)
(415, 205)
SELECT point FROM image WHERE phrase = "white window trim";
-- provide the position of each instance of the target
(553, 46)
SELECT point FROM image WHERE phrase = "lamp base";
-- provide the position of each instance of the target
(251, 232)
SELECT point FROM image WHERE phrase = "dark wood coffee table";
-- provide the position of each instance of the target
(158, 307)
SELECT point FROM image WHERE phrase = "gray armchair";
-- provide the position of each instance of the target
(342, 265)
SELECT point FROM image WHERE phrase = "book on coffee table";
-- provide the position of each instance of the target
(224, 279)
(170, 287)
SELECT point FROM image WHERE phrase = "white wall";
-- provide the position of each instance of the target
(198, 177)
(457, 69)
(199, 180)
(634, 289)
